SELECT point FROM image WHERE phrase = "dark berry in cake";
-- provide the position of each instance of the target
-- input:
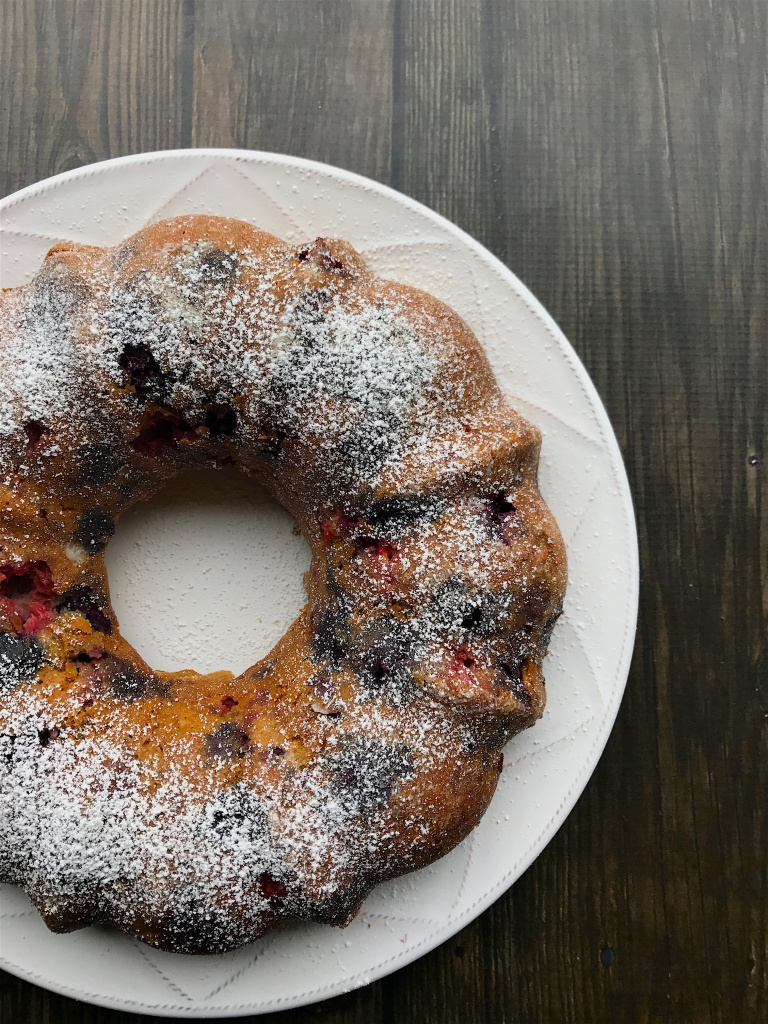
(94, 528)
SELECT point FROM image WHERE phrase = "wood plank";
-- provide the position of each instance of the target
(311, 79)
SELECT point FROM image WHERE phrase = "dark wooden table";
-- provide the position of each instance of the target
(615, 156)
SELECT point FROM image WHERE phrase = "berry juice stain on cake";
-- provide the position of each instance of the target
(198, 811)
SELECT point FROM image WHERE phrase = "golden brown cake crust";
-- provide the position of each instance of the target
(197, 811)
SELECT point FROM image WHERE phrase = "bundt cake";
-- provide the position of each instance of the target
(197, 811)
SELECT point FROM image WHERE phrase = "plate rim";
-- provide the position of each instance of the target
(605, 724)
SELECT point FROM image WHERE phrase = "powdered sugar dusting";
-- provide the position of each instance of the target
(87, 825)
(436, 578)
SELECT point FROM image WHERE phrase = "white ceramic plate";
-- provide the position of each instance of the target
(215, 533)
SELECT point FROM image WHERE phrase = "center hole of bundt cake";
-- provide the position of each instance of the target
(207, 574)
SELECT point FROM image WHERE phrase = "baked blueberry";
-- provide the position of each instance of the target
(221, 420)
(391, 517)
(97, 463)
(85, 600)
(20, 659)
(219, 266)
(366, 772)
(142, 372)
(93, 530)
(228, 742)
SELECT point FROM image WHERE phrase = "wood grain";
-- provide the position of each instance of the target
(615, 156)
